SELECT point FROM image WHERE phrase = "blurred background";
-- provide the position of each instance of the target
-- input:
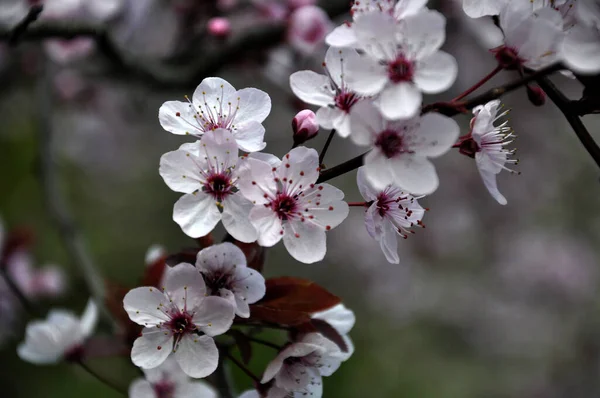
(487, 301)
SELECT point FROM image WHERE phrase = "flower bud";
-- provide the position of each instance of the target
(219, 27)
(305, 126)
(536, 95)
(307, 28)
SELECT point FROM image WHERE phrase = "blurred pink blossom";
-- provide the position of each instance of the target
(219, 27)
(307, 29)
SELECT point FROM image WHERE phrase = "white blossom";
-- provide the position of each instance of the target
(342, 319)
(289, 204)
(168, 380)
(480, 8)
(206, 172)
(401, 148)
(181, 320)
(581, 47)
(401, 61)
(226, 274)
(329, 91)
(391, 212)
(216, 104)
(61, 335)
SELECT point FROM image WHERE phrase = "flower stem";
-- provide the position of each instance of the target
(264, 342)
(357, 204)
(342, 168)
(100, 378)
(478, 84)
(326, 146)
(243, 367)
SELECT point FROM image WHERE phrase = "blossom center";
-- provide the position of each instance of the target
(285, 206)
(468, 147)
(164, 389)
(401, 70)
(218, 186)
(390, 142)
(383, 203)
(345, 100)
(181, 323)
(215, 281)
(507, 57)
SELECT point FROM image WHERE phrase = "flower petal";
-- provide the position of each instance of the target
(196, 389)
(143, 305)
(141, 388)
(151, 348)
(378, 169)
(196, 213)
(364, 186)
(214, 316)
(388, 241)
(236, 218)
(414, 174)
(342, 36)
(267, 224)
(178, 118)
(312, 88)
(254, 105)
(306, 242)
(436, 73)
(255, 180)
(197, 355)
(213, 94)
(422, 34)
(400, 101)
(435, 135)
(218, 149)
(250, 136)
(489, 180)
(181, 171)
(223, 257)
(89, 318)
(185, 286)
(299, 168)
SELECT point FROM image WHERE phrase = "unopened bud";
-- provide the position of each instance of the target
(305, 126)
(536, 95)
(219, 27)
(307, 28)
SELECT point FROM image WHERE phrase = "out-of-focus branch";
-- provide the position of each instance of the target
(55, 203)
(32, 16)
(222, 378)
(571, 114)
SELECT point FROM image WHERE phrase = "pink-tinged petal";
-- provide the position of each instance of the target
(196, 389)
(378, 170)
(489, 179)
(581, 50)
(223, 257)
(342, 36)
(326, 116)
(414, 174)
(236, 218)
(312, 88)
(141, 388)
(422, 34)
(306, 242)
(214, 316)
(367, 122)
(214, 92)
(339, 317)
(196, 213)
(293, 350)
(67, 51)
(185, 286)
(151, 348)
(329, 215)
(389, 242)
(342, 124)
(272, 160)
(249, 289)
(364, 186)
(198, 356)
(373, 222)
(181, 171)
(435, 135)
(254, 105)
(250, 136)
(366, 76)
(144, 305)
(255, 180)
(298, 169)
(400, 101)
(178, 118)
(295, 377)
(436, 73)
(268, 225)
(219, 149)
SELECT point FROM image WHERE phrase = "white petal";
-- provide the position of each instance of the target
(196, 389)
(367, 122)
(329, 215)
(267, 224)
(141, 388)
(181, 171)
(305, 241)
(389, 241)
(214, 92)
(218, 148)
(196, 213)
(183, 124)
(236, 218)
(342, 124)
(256, 179)
(400, 101)
(151, 348)
(489, 180)
(312, 87)
(197, 355)
(299, 168)
(223, 257)
(339, 317)
(342, 36)
(143, 305)
(214, 316)
(293, 350)
(367, 191)
(581, 49)
(250, 136)
(272, 160)
(295, 377)
(336, 60)
(254, 105)
(366, 76)
(250, 394)
(414, 174)
(422, 34)
(104, 10)
(378, 170)
(250, 285)
(405, 8)
(376, 35)
(436, 73)
(480, 8)
(373, 222)
(185, 286)
(89, 318)
(43, 344)
(326, 116)
(435, 135)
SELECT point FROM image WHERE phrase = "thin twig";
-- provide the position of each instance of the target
(326, 146)
(264, 342)
(342, 168)
(15, 34)
(27, 305)
(243, 367)
(564, 104)
(71, 236)
(100, 378)
(478, 84)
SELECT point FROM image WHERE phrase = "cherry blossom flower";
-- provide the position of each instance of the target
(61, 335)
(329, 91)
(581, 47)
(299, 366)
(225, 273)
(47, 281)
(217, 105)
(290, 205)
(344, 35)
(480, 8)
(307, 28)
(205, 172)
(179, 320)
(486, 143)
(342, 320)
(391, 212)
(168, 380)
(401, 148)
(402, 61)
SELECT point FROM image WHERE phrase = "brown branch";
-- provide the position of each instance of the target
(15, 33)
(571, 114)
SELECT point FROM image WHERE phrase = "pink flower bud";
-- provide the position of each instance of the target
(536, 95)
(219, 27)
(305, 126)
(307, 28)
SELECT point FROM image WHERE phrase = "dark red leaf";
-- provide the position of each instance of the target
(154, 272)
(243, 344)
(205, 241)
(187, 255)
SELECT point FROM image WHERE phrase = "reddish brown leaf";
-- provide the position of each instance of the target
(187, 255)
(291, 301)
(154, 272)
(205, 241)
(243, 344)
(255, 254)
